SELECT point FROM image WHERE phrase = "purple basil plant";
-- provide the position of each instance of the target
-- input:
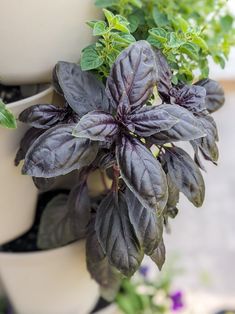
(122, 131)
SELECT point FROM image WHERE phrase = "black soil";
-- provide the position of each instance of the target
(9, 94)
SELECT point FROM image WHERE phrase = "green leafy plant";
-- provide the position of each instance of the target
(187, 32)
(7, 119)
(114, 37)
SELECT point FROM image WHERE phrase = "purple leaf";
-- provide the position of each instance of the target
(98, 265)
(116, 234)
(97, 126)
(207, 144)
(142, 173)
(165, 76)
(159, 255)
(42, 116)
(57, 152)
(187, 128)
(28, 139)
(215, 97)
(192, 97)
(147, 225)
(185, 175)
(133, 73)
(151, 120)
(82, 90)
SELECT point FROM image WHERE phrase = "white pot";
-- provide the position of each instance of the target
(49, 282)
(17, 193)
(35, 34)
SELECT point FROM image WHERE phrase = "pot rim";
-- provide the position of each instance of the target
(24, 101)
(37, 254)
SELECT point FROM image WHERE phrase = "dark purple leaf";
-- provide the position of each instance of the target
(124, 107)
(133, 73)
(147, 225)
(116, 234)
(185, 174)
(28, 139)
(142, 173)
(165, 76)
(215, 97)
(191, 97)
(99, 267)
(57, 152)
(105, 160)
(159, 255)
(82, 90)
(43, 184)
(187, 128)
(42, 116)
(197, 158)
(174, 194)
(97, 126)
(151, 120)
(207, 145)
(65, 220)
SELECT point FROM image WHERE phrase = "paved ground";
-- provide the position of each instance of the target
(204, 238)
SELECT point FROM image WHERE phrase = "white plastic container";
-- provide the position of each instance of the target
(36, 34)
(49, 282)
(18, 195)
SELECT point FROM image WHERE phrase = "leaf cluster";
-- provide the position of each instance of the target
(187, 32)
(119, 130)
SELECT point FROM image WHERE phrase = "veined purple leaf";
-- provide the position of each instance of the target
(185, 174)
(133, 73)
(64, 219)
(28, 139)
(191, 97)
(147, 224)
(151, 120)
(165, 76)
(99, 267)
(57, 152)
(187, 128)
(116, 234)
(215, 97)
(159, 255)
(82, 90)
(97, 126)
(42, 116)
(207, 144)
(142, 173)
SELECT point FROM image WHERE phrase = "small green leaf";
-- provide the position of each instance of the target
(134, 22)
(100, 28)
(174, 41)
(159, 33)
(121, 24)
(180, 24)
(159, 18)
(200, 42)
(90, 59)
(7, 119)
(109, 16)
(191, 50)
(226, 22)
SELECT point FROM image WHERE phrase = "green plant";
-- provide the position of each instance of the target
(7, 119)
(187, 32)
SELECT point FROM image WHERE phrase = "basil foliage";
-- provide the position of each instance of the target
(120, 130)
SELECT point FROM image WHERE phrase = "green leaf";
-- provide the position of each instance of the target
(159, 33)
(159, 18)
(226, 22)
(100, 28)
(134, 22)
(90, 59)
(180, 24)
(109, 16)
(191, 50)
(7, 119)
(121, 24)
(173, 40)
(200, 42)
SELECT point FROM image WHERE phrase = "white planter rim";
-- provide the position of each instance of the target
(38, 254)
(21, 102)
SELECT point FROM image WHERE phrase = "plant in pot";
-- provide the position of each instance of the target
(24, 60)
(122, 122)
